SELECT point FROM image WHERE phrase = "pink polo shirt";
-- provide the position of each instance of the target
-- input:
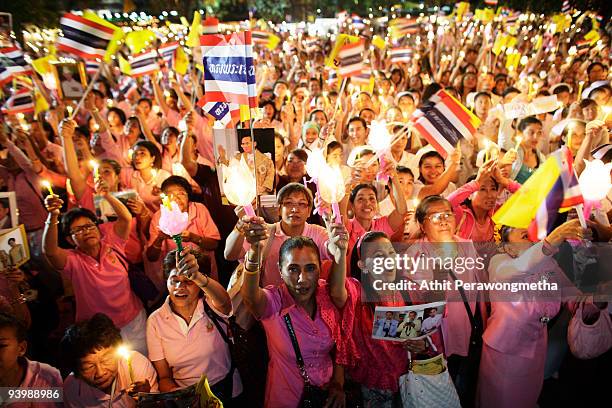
(102, 286)
(39, 375)
(203, 132)
(149, 191)
(285, 384)
(356, 230)
(190, 350)
(270, 274)
(79, 394)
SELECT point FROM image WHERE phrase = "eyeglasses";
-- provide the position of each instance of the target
(83, 229)
(437, 218)
(299, 206)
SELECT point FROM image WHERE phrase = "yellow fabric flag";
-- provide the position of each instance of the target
(538, 43)
(139, 40)
(592, 37)
(124, 65)
(42, 66)
(512, 60)
(193, 39)
(500, 42)
(245, 115)
(379, 42)
(341, 40)
(181, 62)
(561, 22)
(521, 207)
(461, 9)
(118, 34)
(40, 103)
(273, 41)
(484, 15)
(511, 42)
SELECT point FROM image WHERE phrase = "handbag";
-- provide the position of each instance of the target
(243, 316)
(588, 341)
(312, 396)
(428, 390)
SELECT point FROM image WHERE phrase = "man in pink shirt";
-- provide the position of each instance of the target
(95, 266)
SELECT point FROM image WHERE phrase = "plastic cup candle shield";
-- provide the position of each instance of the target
(314, 164)
(239, 185)
(594, 183)
(331, 188)
(380, 139)
(125, 354)
(173, 221)
(95, 166)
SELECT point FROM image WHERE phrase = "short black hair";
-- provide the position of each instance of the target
(480, 94)
(11, 240)
(292, 188)
(177, 181)
(427, 155)
(169, 261)
(510, 90)
(71, 215)
(585, 103)
(357, 119)
(147, 101)
(172, 130)
(9, 321)
(300, 153)
(297, 243)
(421, 210)
(119, 112)
(153, 151)
(114, 164)
(561, 88)
(86, 337)
(360, 187)
(314, 112)
(404, 170)
(529, 120)
(333, 145)
(594, 64)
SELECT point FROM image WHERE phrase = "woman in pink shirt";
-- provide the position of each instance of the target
(300, 310)
(99, 277)
(475, 202)
(201, 233)
(516, 338)
(16, 371)
(147, 175)
(102, 376)
(187, 336)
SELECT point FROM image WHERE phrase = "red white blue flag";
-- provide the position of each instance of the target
(229, 73)
(228, 114)
(84, 37)
(144, 63)
(167, 52)
(20, 102)
(12, 64)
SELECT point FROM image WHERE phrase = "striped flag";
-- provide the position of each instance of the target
(566, 7)
(351, 59)
(400, 54)
(363, 78)
(582, 47)
(126, 85)
(332, 78)
(265, 38)
(357, 21)
(167, 52)
(144, 63)
(600, 151)
(444, 121)
(401, 26)
(12, 64)
(229, 74)
(228, 114)
(20, 102)
(565, 193)
(87, 38)
(491, 2)
(91, 67)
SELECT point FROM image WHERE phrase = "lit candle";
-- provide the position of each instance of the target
(606, 111)
(580, 85)
(109, 103)
(127, 355)
(570, 129)
(46, 184)
(487, 150)
(130, 154)
(415, 202)
(95, 166)
(166, 201)
(69, 109)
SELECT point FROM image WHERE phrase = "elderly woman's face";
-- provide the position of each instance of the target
(183, 292)
(99, 368)
(439, 223)
(178, 195)
(300, 269)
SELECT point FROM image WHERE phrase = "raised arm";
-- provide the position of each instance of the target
(445, 178)
(56, 255)
(78, 181)
(337, 246)
(142, 120)
(253, 295)
(124, 217)
(159, 98)
(186, 155)
(396, 218)
(179, 91)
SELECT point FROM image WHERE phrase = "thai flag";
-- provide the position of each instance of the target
(351, 59)
(332, 78)
(127, 85)
(444, 121)
(582, 47)
(566, 7)
(91, 67)
(402, 26)
(20, 102)
(229, 74)
(358, 22)
(228, 114)
(363, 78)
(565, 193)
(83, 37)
(491, 2)
(144, 63)
(12, 64)
(400, 54)
(167, 52)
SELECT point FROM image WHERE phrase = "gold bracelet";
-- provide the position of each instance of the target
(251, 273)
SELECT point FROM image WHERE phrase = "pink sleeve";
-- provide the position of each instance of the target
(153, 227)
(273, 302)
(205, 139)
(115, 242)
(207, 226)
(112, 149)
(156, 351)
(513, 186)
(173, 118)
(54, 178)
(458, 196)
(347, 352)
(71, 264)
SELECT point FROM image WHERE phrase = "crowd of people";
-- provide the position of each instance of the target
(103, 274)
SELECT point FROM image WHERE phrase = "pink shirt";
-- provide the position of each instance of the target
(79, 394)
(270, 274)
(102, 286)
(149, 190)
(39, 375)
(356, 230)
(190, 350)
(285, 384)
(203, 132)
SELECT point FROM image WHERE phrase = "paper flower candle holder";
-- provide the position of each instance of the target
(239, 185)
(381, 140)
(594, 183)
(173, 221)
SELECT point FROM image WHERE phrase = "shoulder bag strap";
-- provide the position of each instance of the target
(215, 319)
(465, 301)
(296, 348)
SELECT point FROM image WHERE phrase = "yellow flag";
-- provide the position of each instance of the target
(118, 34)
(461, 9)
(273, 41)
(40, 103)
(124, 65)
(181, 62)
(512, 60)
(139, 40)
(592, 37)
(484, 15)
(379, 42)
(193, 39)
(500, 42)
(511, 42)
(341, 40)
(521, 207)
(538, 43)
(42, 66)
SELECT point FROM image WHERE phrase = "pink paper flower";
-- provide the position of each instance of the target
(173, 222)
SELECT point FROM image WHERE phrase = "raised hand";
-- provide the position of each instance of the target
(53, 204)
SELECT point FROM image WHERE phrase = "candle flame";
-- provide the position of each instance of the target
(166, 202)
(314, 164)
(380, 138)
(46, 184)
(123, 352)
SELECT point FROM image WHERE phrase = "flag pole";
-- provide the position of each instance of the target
(251, 121)
(89, 88)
